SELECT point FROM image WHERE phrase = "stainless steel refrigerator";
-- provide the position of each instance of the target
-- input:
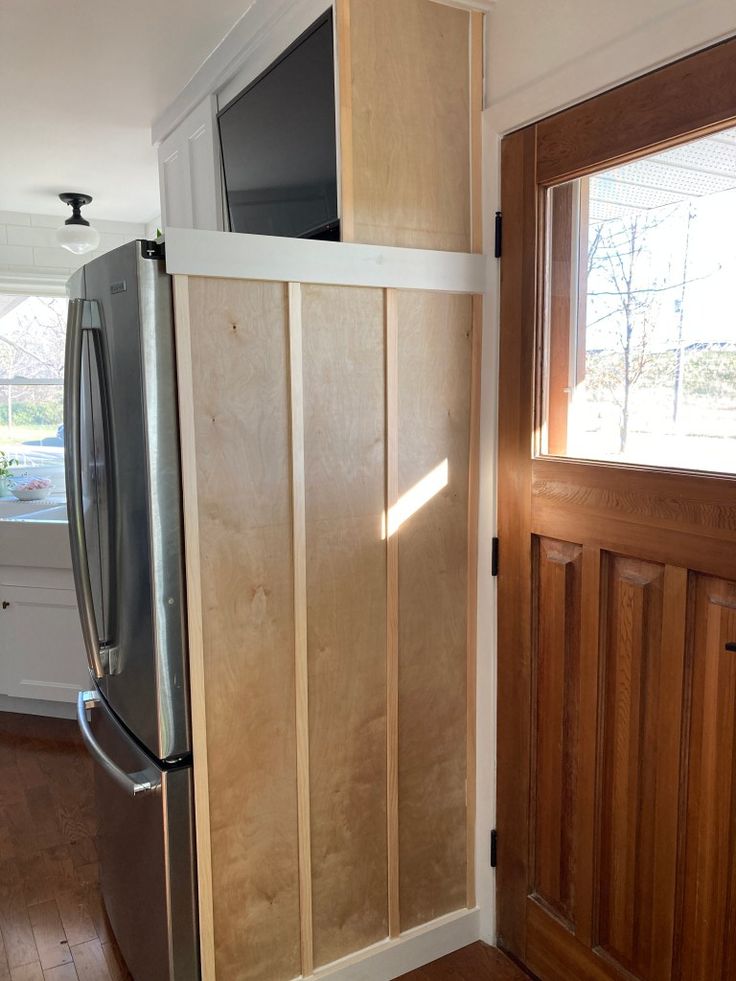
(125, 527)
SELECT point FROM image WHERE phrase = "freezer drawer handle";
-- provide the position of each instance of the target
(129, 782)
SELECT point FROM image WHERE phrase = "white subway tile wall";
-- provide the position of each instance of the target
(28, 245)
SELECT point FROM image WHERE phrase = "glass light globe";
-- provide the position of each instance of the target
(78, 238)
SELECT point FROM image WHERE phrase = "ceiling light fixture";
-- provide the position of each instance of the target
(76, 234)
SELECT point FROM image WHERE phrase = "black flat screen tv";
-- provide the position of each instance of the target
(279, 149)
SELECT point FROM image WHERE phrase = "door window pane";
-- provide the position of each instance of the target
(32, 338)
(641, 311)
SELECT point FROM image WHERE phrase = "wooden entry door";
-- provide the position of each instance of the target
(617, 580)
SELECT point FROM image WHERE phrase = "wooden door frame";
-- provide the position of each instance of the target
(688, 98)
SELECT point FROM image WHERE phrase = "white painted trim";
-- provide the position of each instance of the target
(34, 283)
(391, 958)
(37, 706)
(485, 6)
(259, 36)
(485, 806)
(193, 252)
(597, 65)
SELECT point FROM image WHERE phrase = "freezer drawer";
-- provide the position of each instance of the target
(146, 845)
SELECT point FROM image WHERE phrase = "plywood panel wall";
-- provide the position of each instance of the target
(239, 345)
(329, 614)
(434, 371)
(411, 98)
(346, 614)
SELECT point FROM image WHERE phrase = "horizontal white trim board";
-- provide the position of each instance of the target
(391, 958)
(37, 706)
(229, 255)
(485, 6)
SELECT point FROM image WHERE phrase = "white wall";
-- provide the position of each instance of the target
(544, 55)
(31, 259)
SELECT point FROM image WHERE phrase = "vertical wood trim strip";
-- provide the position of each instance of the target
(472, 610)
(476, 130)
(184, 371)
(392, 610)
(345, 82)
(670, 684)
(586, 847)
(515, 439)
(299, 526)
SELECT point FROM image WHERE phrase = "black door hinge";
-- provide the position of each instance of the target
(498, 248)
(494, 557)
(494, 846)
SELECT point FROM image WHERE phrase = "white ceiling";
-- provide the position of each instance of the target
(700, 167)
(80, 83)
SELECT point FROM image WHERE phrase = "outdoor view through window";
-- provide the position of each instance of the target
(641, 311)
(32, 333)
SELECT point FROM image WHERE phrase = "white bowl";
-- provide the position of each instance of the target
(22, 494)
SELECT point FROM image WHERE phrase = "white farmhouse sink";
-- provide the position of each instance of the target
(10, 508)
(56, 514)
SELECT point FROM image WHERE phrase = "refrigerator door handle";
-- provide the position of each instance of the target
(75, 507)
(132, 783)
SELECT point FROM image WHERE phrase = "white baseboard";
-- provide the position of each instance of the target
(37, 706)
(390, 959)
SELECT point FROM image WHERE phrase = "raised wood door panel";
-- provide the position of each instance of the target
(617, 597)
(556, 706)
(706, 927)
(328, 439)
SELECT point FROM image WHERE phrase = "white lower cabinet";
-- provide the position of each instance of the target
(41, 648)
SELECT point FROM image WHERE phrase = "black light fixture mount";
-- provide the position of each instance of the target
(76, 234)
(76, 202)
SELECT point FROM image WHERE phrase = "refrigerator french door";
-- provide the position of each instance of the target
(125, 529)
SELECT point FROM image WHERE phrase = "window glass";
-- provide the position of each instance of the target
(641, 321)
(32, 337)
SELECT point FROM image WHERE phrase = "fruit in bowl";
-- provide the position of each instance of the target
(36, 489)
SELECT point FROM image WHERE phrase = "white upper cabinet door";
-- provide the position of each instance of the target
(189, 171)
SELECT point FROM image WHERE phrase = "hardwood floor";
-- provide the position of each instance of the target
(52, 923)
(478, 962)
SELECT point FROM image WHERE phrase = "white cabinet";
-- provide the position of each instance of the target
(41, 649)
(189, 171)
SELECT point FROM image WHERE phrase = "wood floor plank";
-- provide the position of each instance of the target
(115, 963)
(96, 909)
(4, 966)
(53, 947)
(90, 962)
(75, 917)
(28, 972)
(83, 851)
(89, 874)
(477, 962)
(15, 924)
(48, 856)
(65, 972)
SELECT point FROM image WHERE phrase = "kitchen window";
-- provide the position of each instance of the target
(32, 337)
